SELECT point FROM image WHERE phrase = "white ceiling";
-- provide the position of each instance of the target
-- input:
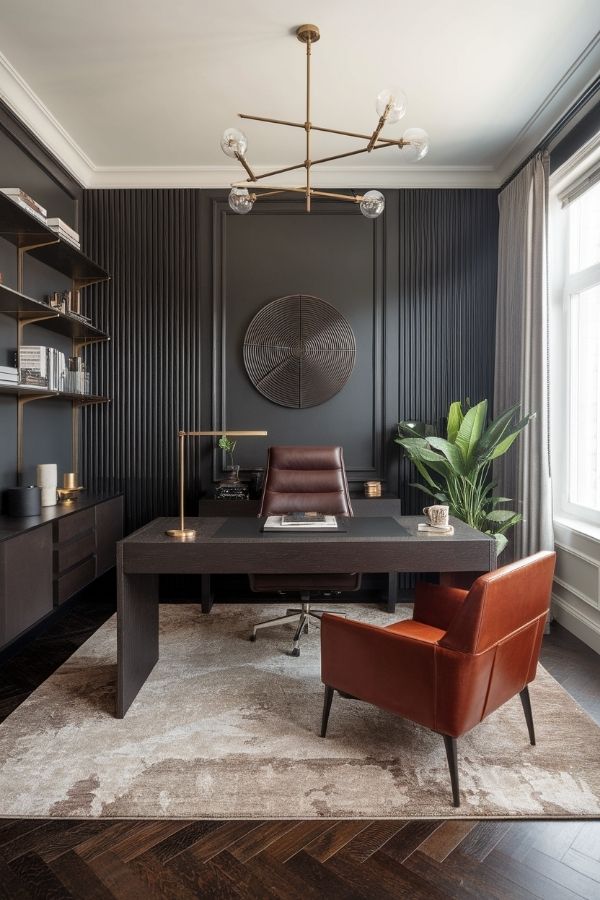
(127, 92)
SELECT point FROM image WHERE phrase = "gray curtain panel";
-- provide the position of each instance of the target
(521, 368)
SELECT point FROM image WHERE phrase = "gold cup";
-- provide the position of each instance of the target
(70, 481)
(372, 489)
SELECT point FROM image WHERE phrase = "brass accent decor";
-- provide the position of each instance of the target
(299, 351)
(390, 106)
(372, 489)
(182, 531)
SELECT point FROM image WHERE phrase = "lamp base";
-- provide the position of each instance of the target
(181, 532)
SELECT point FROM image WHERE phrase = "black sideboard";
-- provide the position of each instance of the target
(45, 560)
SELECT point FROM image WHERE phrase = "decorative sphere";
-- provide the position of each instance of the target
(240, 201)
(397, 100)
(372, 204)
(418, 145)
(234, 141)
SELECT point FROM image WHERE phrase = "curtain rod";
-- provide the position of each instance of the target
(556, 129)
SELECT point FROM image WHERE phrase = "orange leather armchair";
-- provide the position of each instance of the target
(461, 656)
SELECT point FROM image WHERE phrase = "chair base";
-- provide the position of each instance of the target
(300, 616)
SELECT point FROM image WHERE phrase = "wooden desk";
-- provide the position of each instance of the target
(232, 546)
(362, 506)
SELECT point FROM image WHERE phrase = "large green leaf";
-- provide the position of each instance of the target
(509, 439)
(501, 542)
(415, 429)
(471, 429)
(455, 417)
(500, 515)
(450, 451)
(496, 430)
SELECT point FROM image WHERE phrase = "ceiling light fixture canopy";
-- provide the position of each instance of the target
(391, 107)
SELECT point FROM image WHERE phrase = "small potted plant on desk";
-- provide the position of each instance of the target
(231, 488)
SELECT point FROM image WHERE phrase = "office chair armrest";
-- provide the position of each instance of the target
(436, 604)
(390, 670)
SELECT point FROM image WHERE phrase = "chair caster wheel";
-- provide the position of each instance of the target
(252, 638)
(295, 652)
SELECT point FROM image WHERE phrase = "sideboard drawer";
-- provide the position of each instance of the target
(68, 555)
(71, 526)
(74, 580)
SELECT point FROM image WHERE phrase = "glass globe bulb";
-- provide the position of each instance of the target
(240, 201)
(396, 99)
(418, 144)
(372, 204)
(234, 141)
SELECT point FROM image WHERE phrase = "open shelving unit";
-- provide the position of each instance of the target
(32, 237)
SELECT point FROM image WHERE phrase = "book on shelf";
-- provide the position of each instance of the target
(19, 196)
(50, 368)
(62, 228)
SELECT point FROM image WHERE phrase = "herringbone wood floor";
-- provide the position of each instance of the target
(307, 859)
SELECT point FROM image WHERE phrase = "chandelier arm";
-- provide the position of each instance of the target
(243, 162)
(301, 190)
(268, 194)
(364, 137)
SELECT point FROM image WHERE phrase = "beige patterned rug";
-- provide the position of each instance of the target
(225, 728)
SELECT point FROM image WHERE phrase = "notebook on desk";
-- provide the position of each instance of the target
(301, 522)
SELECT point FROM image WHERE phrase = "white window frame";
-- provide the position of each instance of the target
(563, 285)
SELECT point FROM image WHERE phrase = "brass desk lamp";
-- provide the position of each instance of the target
(182, 531)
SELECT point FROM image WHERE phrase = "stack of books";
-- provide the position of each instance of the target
(64, 231)
(307, 521)
(9, 375)
(47, 367)
(17, 195)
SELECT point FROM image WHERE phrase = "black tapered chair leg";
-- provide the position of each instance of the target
(327, 700)
(451, 755)
(526, 703)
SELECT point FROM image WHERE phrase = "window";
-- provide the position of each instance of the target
(575, 357)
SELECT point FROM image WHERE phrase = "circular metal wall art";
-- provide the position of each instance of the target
(299, 351)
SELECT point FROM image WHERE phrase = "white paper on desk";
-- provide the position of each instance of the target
(276, 522)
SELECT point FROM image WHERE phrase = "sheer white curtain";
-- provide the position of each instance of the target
(521, 370)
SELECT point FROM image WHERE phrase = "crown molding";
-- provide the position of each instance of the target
(27, 106)
(575, 80)
(418, 176)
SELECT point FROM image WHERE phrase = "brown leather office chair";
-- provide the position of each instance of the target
(461, 656)
(304, 479)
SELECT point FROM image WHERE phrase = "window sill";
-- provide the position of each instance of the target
(587, 529)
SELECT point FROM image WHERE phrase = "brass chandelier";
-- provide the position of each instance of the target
(391, 107)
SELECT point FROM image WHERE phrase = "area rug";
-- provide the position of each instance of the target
(226, 728)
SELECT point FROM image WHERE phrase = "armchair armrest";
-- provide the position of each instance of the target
(393, 671)
(436, 604)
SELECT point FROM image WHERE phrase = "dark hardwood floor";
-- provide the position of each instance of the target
(290, 859)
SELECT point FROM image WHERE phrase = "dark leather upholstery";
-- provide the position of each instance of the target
(305, 479)
(463, 654)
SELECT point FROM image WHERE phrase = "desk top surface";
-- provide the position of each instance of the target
(220, 530)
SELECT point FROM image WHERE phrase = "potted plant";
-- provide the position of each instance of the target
(456, 469)
(229, 446)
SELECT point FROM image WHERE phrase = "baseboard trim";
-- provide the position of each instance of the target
(577, 623)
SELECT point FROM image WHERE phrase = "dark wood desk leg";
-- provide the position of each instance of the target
(137, 634)
(392, 592)
(206, 597)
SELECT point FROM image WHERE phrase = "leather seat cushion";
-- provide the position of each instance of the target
(417, 630)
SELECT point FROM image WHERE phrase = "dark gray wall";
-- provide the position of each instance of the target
(418, 286)
(47, 424)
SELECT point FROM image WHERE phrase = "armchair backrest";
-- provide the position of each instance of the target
(502, 604)
(305, 479)
(491, 649)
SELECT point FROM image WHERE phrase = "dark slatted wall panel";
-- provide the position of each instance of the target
(447, 302)
(158, 247)
(148, 241)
